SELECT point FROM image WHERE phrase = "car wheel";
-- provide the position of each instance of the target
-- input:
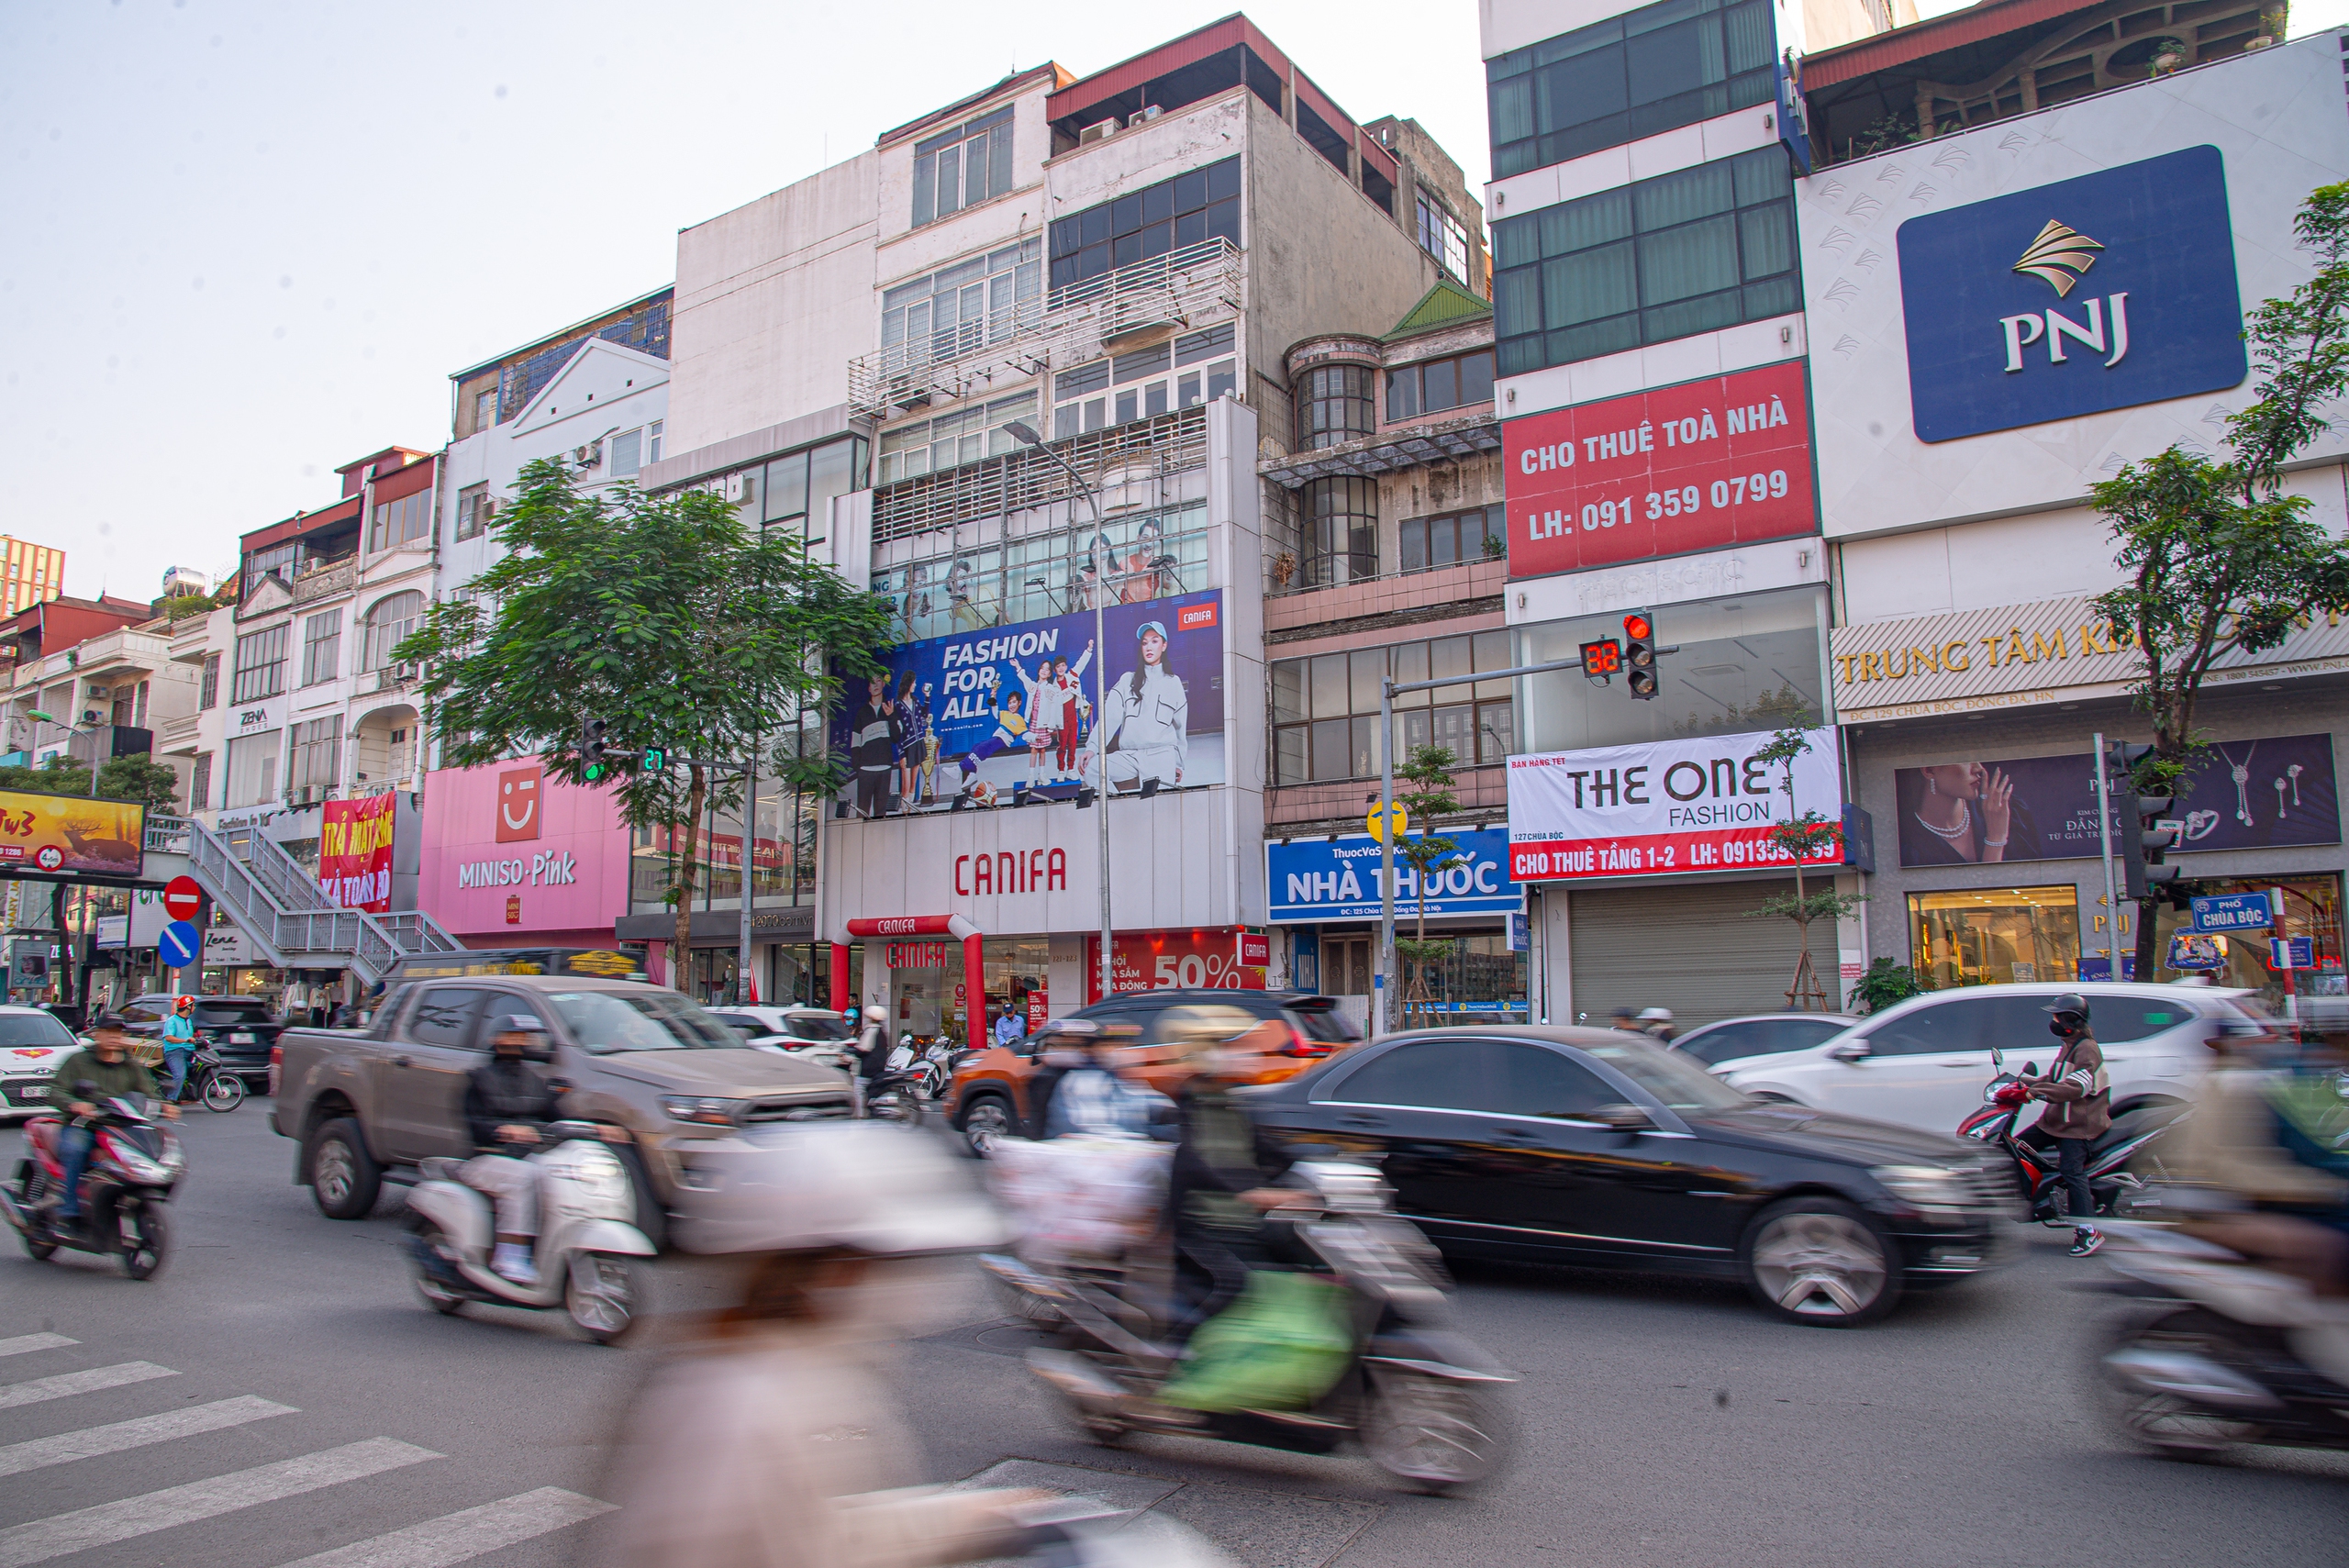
(985, 1121)
(344, 1178)
(1820, 1262)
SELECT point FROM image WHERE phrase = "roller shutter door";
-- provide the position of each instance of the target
(1690, 947)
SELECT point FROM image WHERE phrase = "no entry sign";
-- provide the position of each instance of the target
(182, 898)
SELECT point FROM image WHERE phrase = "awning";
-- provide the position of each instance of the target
(1414, 448)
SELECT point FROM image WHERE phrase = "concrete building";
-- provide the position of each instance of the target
(98, 666)
(28, 573)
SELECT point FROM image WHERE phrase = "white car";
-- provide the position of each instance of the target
(812, 1034)
(1924, 1062)
(33, 1045)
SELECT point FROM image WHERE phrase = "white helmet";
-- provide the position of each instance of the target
(1656, 1016)
(865, 1186)
(875, 1014)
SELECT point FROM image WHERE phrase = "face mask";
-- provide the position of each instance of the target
(2062, 1028)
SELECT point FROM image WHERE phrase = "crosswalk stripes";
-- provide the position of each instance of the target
(67, 1384)
(466, 1534)
(17, 1458)
(24, 1343)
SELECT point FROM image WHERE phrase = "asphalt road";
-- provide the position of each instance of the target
(295, 1399)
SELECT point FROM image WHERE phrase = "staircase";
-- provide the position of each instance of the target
(279, 907)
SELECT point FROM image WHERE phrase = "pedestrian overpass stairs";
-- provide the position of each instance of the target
(278, 905)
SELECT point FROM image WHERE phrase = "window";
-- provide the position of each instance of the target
(1937, 1030)
(444, 1016)
(1339, 518)
(1433, 385)
(1325, 708)
(652, 441)
(138, 712)
(1986, 936)
(322, 647)
(1186, 210)
(1436, 1075)
(390, 620)
(1334, 405)
(260, 664)
(933, 446)
(208, 687)
(1758, 1036)
(485, 409)
(1629, 77)
(626, 455)
(401, 522)
(473, 510)
(1053, 571)
(316, 765)
(959, 309)
(276, 560)
(962, 167)
(1443, 237)
(1454, 537)
(1660, 258)
(252, 770)
(1535, 1082)
(1136, 385)
(199, 784)
(1215, 378)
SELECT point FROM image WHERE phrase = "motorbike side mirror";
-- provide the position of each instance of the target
(1851, 1050)
(2031, 1069)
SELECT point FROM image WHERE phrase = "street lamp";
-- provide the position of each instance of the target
(1027, 436)
(73, 729)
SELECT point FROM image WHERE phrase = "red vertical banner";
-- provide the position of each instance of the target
(355, 852)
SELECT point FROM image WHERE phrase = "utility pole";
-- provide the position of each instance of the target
(2104, 849)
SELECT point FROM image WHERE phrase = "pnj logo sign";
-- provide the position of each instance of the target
(2109, 290)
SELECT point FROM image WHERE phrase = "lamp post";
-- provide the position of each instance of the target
(71, 731)
(1027, 436)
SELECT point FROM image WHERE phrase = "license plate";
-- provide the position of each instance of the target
(240, 1036)
(31, 1091)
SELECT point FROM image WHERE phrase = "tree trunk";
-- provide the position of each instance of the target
(682, 954)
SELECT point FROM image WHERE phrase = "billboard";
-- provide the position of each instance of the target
(1337, 879)
(1016, 704)
(355, 852)
(2243, 795)
(65, 834)
(1699, 466)
(571, 874)
(1660, 806)
(1161, 961)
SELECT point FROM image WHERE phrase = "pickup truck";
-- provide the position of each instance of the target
(368, 1105)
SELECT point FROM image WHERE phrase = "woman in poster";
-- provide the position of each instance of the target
(972, 611)
(1149, 716)
(915, 712)
(1963, 813)
(1142, 579)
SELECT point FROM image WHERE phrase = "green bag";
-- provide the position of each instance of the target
(1280, 1346)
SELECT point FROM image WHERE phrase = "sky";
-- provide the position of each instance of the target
(247, 242)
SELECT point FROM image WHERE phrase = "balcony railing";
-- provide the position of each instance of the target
(1190, 287)
(1158, 446)
(326, 582)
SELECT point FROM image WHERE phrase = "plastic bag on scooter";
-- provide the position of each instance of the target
(1080, 1198)
(1280, 1346)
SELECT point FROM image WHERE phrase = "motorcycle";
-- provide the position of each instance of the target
(936, 1069)
(896, 1095)
(2116, 1189)
(1421, 1402)
(134, 1163)
(219, 1089)
(2215, 1354)
(587, 1210)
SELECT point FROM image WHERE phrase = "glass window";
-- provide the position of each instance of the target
(1437, 1074)
(961, 166)
(1536, 1082)
(1325, 709)
(607, 1021)
(316, 759)
(400, 522)
(444, 1015)
(33, 1028)
(1961, 1023)
(260, 664)
(1678, 1084)
(199, 784)
(1758, 1037)
(252, 770)
(389, 623)
(1993, 935)
(322, 647)
(2311, 909)
(1055, 571)
(473, 510)
(627, 454)
(1333, 405)
(1340, 529)
(1161, 219)
(1435, 385)
(1443, 237)
(209, 693)
(960, 309)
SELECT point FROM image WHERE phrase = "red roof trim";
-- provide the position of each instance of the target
(343, 511)
(415, 476)
(1172, 55)
(1905, 46)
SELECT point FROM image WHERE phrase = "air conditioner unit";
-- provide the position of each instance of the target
(1099, 130)
(96, 690)
(589, 455)
(1149, 112)
(90, 716)
(485, 508)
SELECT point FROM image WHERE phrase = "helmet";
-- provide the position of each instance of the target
(184, 1003)
(865, 1186)
(2070, 1002)
(875, 1014)
(1656, 1016)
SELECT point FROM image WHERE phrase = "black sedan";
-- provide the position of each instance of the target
(1591, 1147)
(240, 1028)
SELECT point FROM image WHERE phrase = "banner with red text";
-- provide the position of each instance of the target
(1697, 466)
(355, 852)
(1661, 806)
(1206, 957)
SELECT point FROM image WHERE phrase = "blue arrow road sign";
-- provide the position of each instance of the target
(179, 944)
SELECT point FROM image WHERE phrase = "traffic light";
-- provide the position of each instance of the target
(655, 760)
(1602, 660)
(591, 748)
(1638, 655)
(2145, 830)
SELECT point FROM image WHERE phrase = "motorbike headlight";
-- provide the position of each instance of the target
(1922, 1187)
(140, 1167)
(599, 1175)
(706, 1109)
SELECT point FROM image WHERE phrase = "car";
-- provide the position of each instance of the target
(787, 1025)
(240, 1028)
(33, 1045)
(989, 1095)
(1759, 1034)
(1925, 1063)
(1592, 1147)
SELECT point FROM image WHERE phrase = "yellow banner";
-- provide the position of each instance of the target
(61, 834)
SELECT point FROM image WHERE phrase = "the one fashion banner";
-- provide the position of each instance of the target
(1664, 806)
(2240, 795)
(1018, 704)
(355, 852)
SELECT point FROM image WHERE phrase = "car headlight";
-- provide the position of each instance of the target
(708, 1109)
(1922, 1187)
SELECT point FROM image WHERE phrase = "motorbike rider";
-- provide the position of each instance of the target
(1079, 1089)
(103, 1070)
(178, 1044)
(873, 1045)
(1219, 1188)
(2079, 1096)
(2239, 1144)
(769, 1440)
(1656, 1024)
(507, 1099)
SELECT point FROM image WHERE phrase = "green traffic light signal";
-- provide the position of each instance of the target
(594, 772)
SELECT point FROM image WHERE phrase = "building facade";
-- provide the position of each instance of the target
(30, 573)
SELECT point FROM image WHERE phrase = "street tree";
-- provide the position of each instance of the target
(2216, 559)
(672, 618)
(1801, 837)
(1424, 792)
(140, 778)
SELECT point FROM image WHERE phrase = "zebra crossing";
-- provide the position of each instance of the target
(144, 1519)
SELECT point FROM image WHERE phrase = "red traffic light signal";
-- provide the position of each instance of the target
(1637, 629)
(1638, 655)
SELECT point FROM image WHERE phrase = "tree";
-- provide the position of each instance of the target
(1428, 772)
(1884, 983)
(2216, 558)
(671, 618)
(1801, 837)
(140, 778)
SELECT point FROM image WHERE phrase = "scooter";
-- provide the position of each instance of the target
(1421, 1402)
(587, 1233)
(2217, 1353)
(2116, 1189)
(218, 1088)
(135, 1161)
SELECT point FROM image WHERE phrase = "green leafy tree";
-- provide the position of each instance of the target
(1884, 983)
(1424, 791)
(2216, 559)
(140, 778)
(1802, 836)
(673, 618)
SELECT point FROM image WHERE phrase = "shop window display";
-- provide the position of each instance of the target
(1995, 936)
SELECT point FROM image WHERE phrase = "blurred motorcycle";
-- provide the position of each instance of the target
(135, 1161)
(2116, 1189)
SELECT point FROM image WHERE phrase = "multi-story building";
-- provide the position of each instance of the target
(95, 667)
(1116, 265)
(28, 573)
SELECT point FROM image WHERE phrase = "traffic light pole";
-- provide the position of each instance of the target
(2104, 841)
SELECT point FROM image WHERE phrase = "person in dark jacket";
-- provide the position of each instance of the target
(1218, 1187)
(2079, 1110)
(876, 737)
(508, 1100)
(103, 1072)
